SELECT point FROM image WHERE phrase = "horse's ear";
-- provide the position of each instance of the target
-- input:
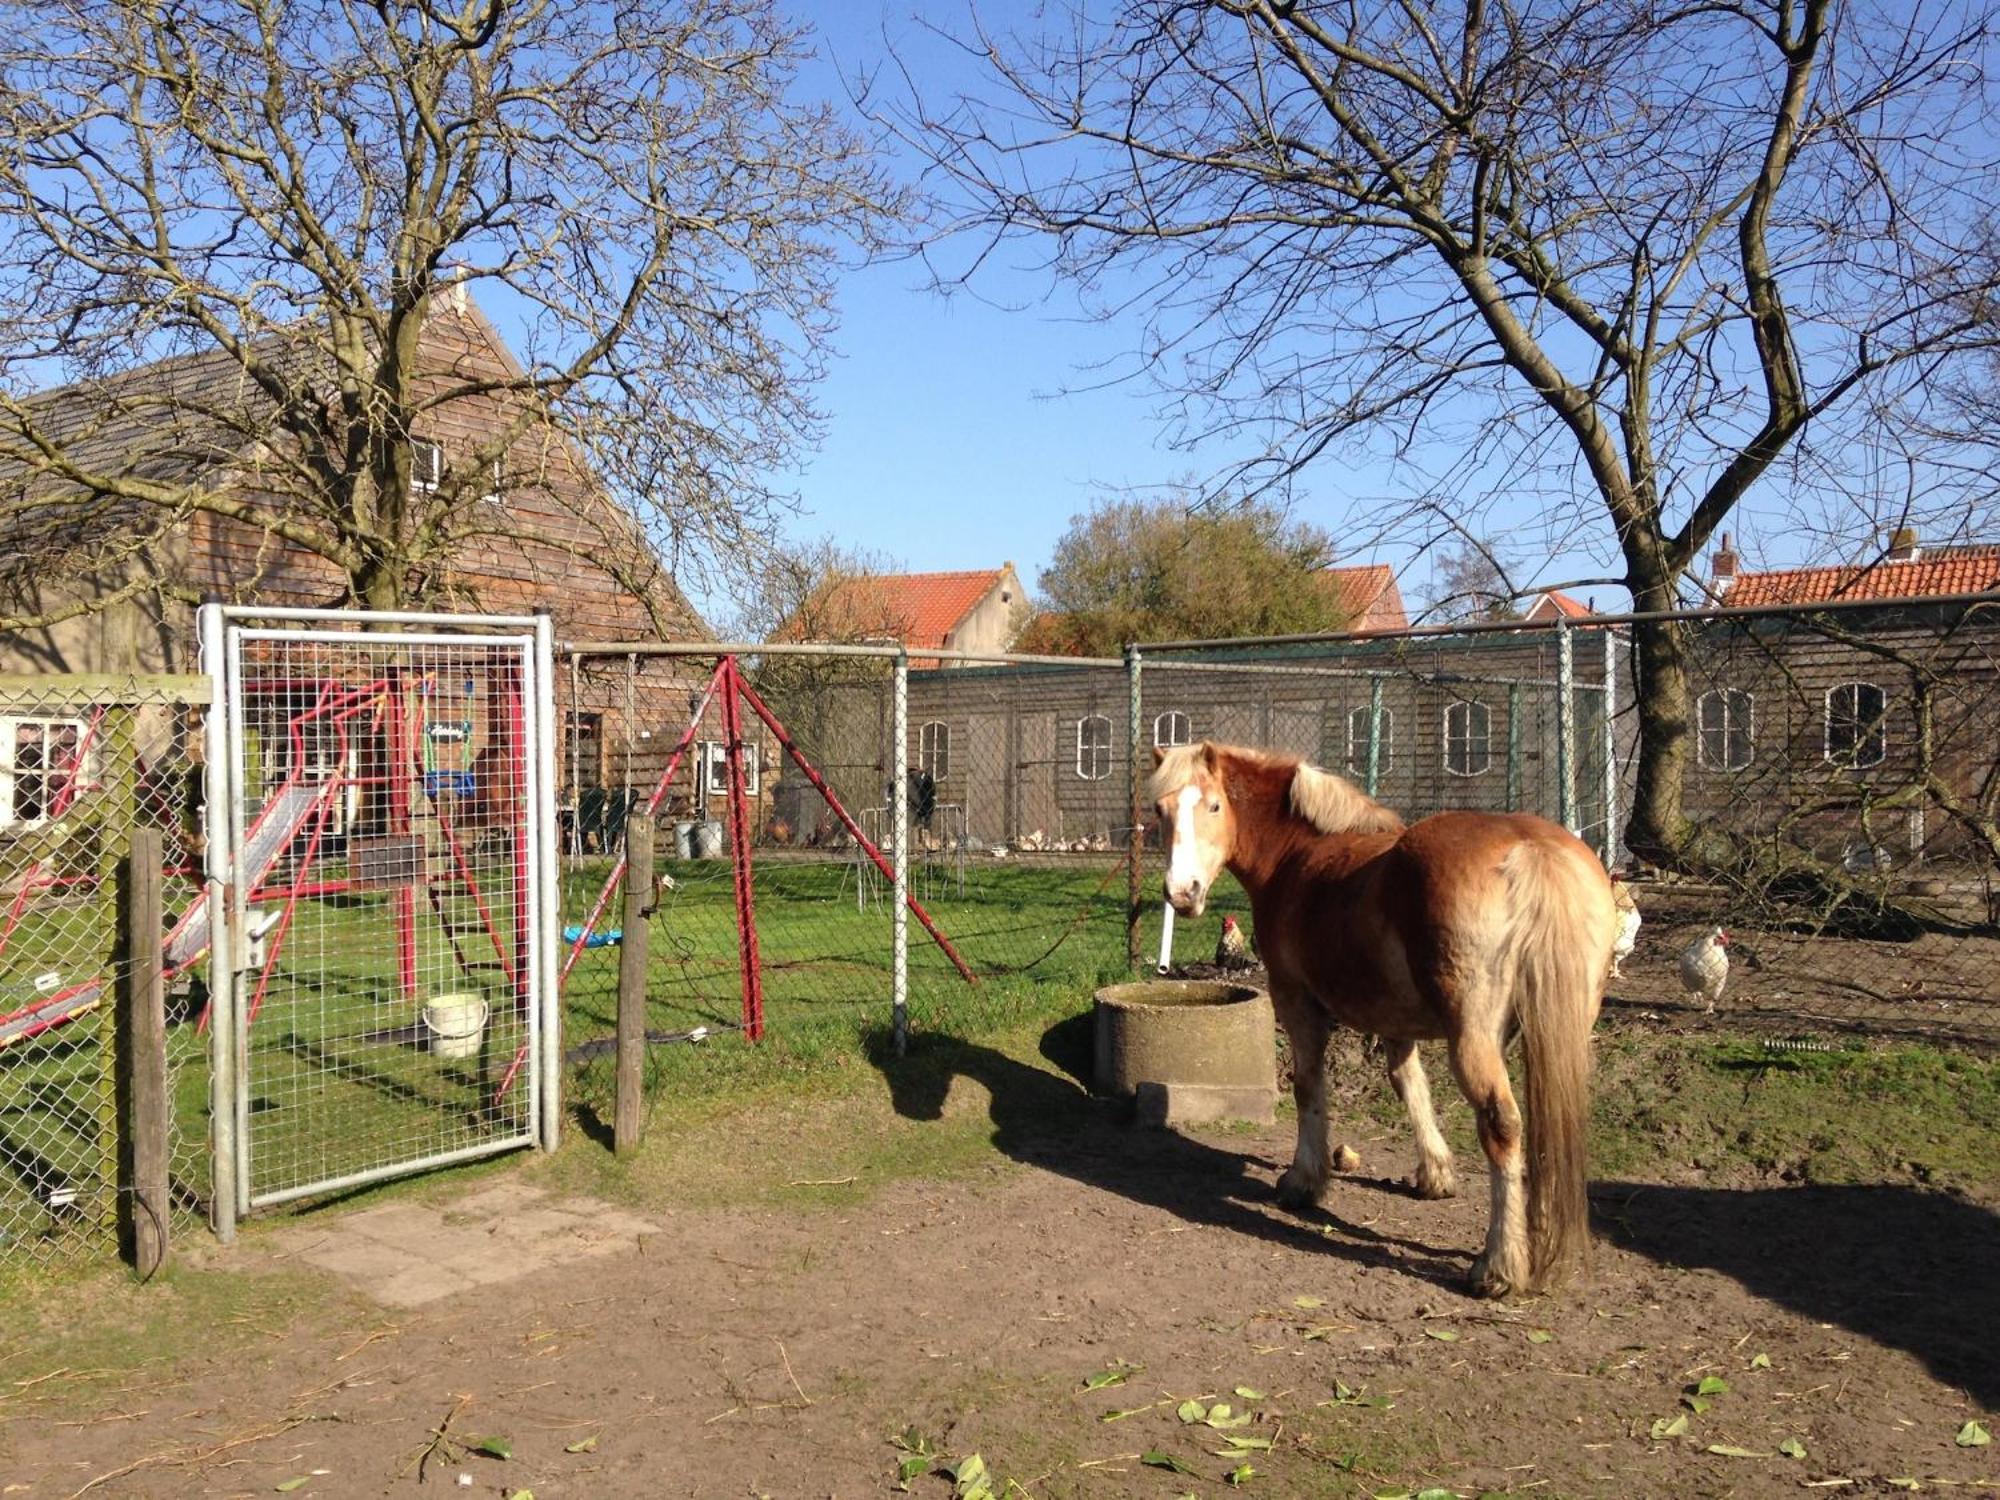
(1159, 757)
(1209, 758)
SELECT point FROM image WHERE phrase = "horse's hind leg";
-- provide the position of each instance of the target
(1306, 1030)
(1434, 1178)
(1481, 1070)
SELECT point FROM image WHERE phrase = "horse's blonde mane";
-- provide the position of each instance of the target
(1331, 803)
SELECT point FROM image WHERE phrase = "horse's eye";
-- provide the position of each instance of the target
(1215, 807)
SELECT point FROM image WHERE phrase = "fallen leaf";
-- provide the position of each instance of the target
(1972, 1435)
(1117, 1375)
(522, 1495)
(1792, 1448)
(908, 1469)
(582, 1445)
(285, 1487)
(1539, 1336)
(1241, 1474)
(1130, 1411)
(1191, 1411)
(1712, 1385)
(1760, 1361)
(1153, 1458)
(1249, 1395)
(492, 1447)
(1309, 1302)
(1664, 1429)
(1244, 1443)
(1442, 1335)
(1697, 1404)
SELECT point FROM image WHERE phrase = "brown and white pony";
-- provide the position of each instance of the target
(1465, 926)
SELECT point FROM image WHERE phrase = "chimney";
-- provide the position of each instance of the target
(1903, 545)
(1725, 565)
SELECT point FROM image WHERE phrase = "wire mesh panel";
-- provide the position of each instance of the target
(84, 761)
(1842, 769)
(384, 840)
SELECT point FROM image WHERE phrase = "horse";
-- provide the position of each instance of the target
(1465, 926)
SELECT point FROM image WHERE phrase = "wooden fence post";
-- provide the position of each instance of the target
(629, 1124)
(143, 1103)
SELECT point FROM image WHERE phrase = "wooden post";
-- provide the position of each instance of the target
(144, 1105)
(630, 1122)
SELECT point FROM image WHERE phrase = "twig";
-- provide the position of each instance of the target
(819, 1182)
(788, 1372)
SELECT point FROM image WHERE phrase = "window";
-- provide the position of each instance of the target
(494, 493)
(1172, 728)
(1093, 747)
(39, 773)
(1468, 738)
(1856, 734)
(426, 466)
(1725, 724)
(715, 768)
(1357, 740)
(934, 750)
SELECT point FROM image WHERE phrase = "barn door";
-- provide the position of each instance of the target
(383, 980)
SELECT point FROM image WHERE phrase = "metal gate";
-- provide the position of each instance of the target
(381, 858)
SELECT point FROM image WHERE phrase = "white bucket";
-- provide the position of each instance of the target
(456, 1024)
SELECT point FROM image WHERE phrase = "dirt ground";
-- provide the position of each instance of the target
(785, 1350)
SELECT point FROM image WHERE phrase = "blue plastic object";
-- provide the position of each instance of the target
(597, 939)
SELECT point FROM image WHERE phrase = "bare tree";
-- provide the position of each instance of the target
(1638, 261)
(1472, 585)
(279, 192)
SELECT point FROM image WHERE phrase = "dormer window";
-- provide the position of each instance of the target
(426, 467)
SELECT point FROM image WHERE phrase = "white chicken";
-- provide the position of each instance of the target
(1705, 967)
(1627, 935)
(1232, 949)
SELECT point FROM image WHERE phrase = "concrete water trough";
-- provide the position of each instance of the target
(1187, 1051)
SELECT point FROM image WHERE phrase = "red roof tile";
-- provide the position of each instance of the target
(1370, 595)
(1553, 602)
(918, 609)
(1960, 571)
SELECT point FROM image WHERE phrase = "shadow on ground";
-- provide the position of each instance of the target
(1051, 1122)
(1909, 1268)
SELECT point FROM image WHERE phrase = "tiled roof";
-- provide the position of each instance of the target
(1370, 595)
(919, 609)
(1967, 570)
(1552, 602)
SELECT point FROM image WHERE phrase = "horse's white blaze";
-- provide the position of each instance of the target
(1190, 867)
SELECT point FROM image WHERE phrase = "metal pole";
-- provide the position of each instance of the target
(226, 926)
(1514, 747)
(629, 1118)
(899, 814)
(146, 1112)
(1566, 727)
(548, 888)
(222, 1030)
(1608, 734)
(1135, 836)
(1374, 780)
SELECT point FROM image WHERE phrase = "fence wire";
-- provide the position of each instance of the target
(82, 763)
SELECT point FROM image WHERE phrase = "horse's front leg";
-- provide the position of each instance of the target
(1434, 1178)
(1306, 1029)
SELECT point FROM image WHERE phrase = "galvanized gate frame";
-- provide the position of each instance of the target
(222, 629)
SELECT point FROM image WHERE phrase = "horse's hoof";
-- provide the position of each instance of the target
(1297, 1190)
(1438, 1184)
(1486, 1279)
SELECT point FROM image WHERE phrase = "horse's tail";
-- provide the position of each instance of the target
(1562, 925)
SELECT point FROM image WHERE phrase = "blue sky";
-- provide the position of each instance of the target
(965, 431)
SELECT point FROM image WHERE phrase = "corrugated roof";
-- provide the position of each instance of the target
(1961, 570)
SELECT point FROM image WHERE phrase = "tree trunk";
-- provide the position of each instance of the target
(1659, 830)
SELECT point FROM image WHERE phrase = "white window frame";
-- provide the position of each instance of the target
(494, 493)
(1357, 739)
(930, 736)
(715, 768)
(1726, 696)
(1466, 738)
(1877, 728)
(10, 727)
(1172, 728)
(425, 478)
(1100, 765)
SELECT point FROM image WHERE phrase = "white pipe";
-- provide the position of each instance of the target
(1166, 936)
(221, 1034)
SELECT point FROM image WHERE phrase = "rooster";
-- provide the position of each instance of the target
(1705, 967)
(1627, 936)
(1232, 949)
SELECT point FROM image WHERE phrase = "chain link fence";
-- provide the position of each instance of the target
(83, 762)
